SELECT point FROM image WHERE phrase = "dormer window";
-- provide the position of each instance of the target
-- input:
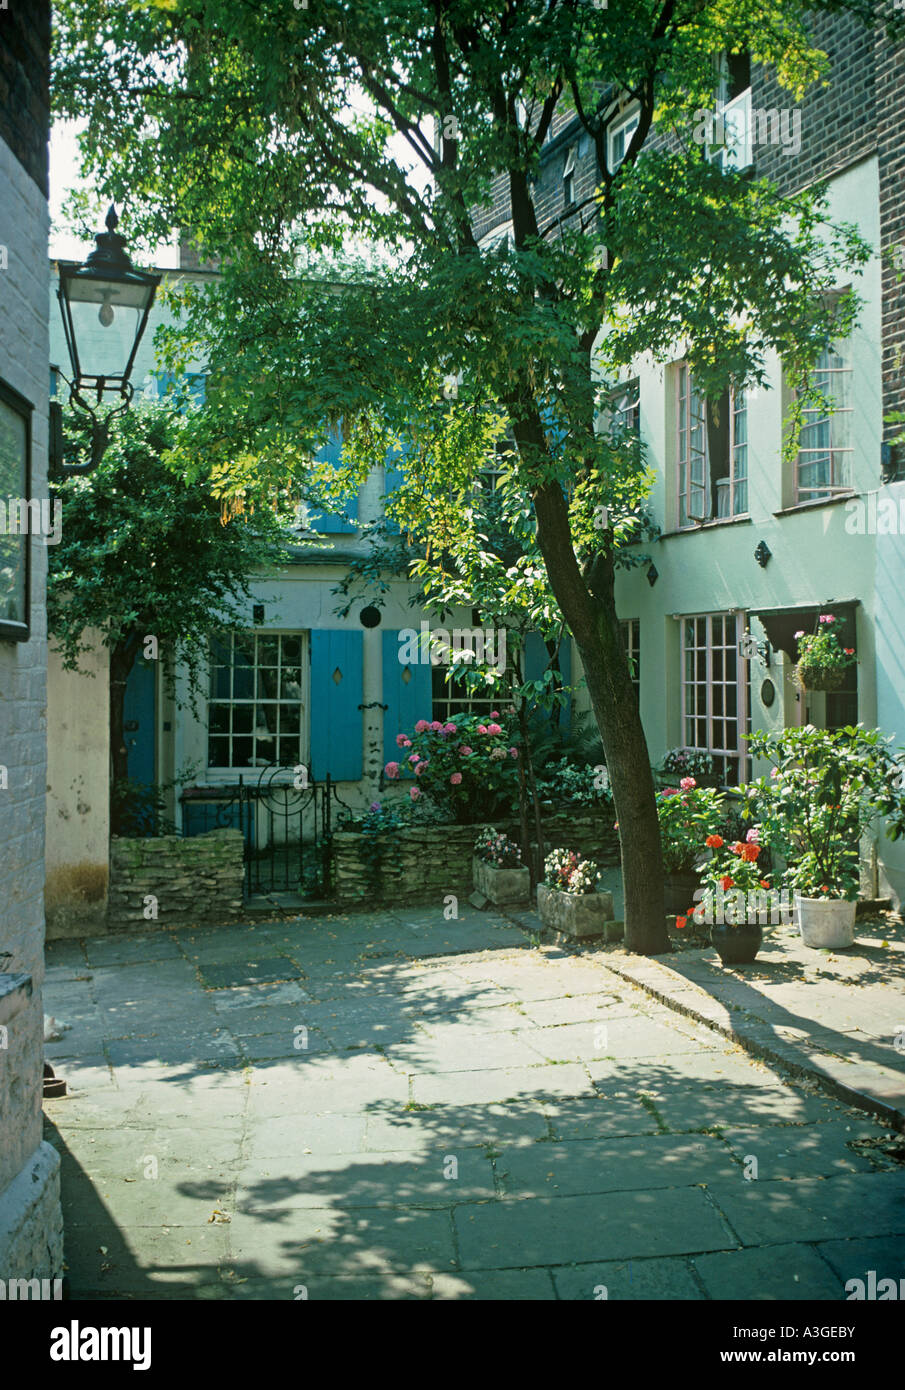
(732, 144)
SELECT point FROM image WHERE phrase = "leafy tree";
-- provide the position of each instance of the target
(146, 554)
(278, 134)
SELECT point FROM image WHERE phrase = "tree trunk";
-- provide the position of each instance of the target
(589, 608)
(122, 659)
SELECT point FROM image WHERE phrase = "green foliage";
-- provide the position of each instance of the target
(687, 815)
(497, 849)
(466, 767)
(822, 660)
(825, 789)
(565, 782)
(146, 553)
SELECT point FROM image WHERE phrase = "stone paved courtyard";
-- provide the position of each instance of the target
(398, 1106)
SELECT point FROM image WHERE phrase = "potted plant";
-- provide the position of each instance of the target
(687, 814)
(825, 788)
(568, 900)
(497, 868)
(734, 897)
(822, 660)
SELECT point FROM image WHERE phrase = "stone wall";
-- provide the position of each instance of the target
(424, 863)
(172, 881)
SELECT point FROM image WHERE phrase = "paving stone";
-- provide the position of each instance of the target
(283, 1136)
(394, 1179)
(612, 1165)
(302, 1242)
(130, 950)
(598, 1007)
(462, 1048)
(498, 1285)
(488, 1126)
(143, 1260)
(496, 1086)
(248, 972)
(610, 1111)
(855, 1257)
(364, 1288)
(797, 1151)
(771, 1272)
(627, 1279)
(812, 1209)
(566, 1230)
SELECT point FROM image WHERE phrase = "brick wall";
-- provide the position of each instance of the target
(30, 1223)
(24, 77)
(890, 93)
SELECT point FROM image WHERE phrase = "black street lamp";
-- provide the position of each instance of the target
(105, 305)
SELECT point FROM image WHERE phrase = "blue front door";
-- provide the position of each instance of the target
(139, 720)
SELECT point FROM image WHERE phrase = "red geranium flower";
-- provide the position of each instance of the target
(714, 842)
(726, 882)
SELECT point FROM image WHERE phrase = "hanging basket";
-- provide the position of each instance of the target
(809, 676)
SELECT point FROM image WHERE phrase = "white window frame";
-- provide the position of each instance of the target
(687, 485)
(840, 450)
(627, 125)
(216, 774)
(710, 687)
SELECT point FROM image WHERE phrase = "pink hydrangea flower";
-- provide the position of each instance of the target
(421, 726)
(513, 752)
(435, 726)
(456, 778)
(753, 835)
(826, 618)
(419, 768)
(450, 729)
(465, 750)
(482, 728)
(392, 770)
(402, 741)
(414, 793)
(687, 783)
(494, 714)
(494, 729)
(414, 757)
(497, 753)
(799, 634)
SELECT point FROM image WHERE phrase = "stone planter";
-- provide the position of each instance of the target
(501, 885)
(826, 923)
(736, 945)
(678, 893)
(578, 915)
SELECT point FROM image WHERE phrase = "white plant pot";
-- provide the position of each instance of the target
(578, 915)
(827, 923)
(500, 885)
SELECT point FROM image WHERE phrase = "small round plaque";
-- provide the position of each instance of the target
(767, 693)
(370, 616)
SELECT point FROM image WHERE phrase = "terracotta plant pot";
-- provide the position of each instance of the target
(578, 915)
(826, 923)
(736, 945)
(501, 885)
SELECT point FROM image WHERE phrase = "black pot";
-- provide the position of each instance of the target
(678, 893)
(736, 945)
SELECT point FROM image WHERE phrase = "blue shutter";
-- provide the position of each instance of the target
(406, 694)
(344, 520)
(536, 660)
(337, 692)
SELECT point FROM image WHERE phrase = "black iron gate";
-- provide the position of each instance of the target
(286, 822)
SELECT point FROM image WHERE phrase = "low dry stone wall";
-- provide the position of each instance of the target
(422, 863)
(175, 881)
